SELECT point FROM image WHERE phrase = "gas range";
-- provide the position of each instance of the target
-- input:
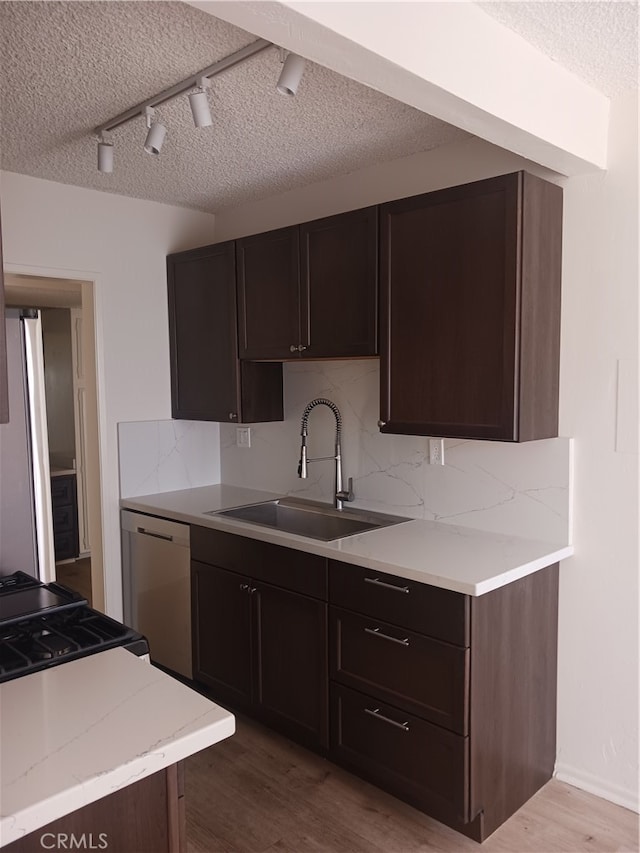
(43, 625)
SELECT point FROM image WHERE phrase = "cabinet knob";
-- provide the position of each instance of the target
(301, 348)
(382, 423)
(233, 416)
(244, 587)
(293, 348)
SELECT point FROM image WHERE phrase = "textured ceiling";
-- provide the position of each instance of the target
(66, 67)
(597, 41)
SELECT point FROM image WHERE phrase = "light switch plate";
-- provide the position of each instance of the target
(243, 436)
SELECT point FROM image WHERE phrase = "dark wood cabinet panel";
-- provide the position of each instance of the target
(207, 380)
(421, 763)
(64, 508)
(291, 663)
(514, 643)
(339, 285)
(418, 674)
(4, 388)
(310, 291)
(146, 817)
(259, 645)
(470, 310)
(222, 633)
(428, 610)
(496, 693)
(269, 294)
(284, 567)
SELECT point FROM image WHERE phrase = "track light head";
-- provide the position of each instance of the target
(156, 134)
(105, 156)
(200, 104)
(291, 74)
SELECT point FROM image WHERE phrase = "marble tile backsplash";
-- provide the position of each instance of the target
(520, 489)
(162, 456)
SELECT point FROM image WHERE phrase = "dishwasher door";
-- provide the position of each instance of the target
(157, 587)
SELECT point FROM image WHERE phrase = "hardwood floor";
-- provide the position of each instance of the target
(76, 575)
(258, 792)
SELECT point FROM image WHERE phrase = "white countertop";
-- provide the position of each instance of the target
(84, 729)
(445, 555)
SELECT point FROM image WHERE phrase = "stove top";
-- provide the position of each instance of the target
(42, 625)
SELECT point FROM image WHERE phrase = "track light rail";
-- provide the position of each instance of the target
(191, 82)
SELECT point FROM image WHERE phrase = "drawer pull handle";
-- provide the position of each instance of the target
(376, 632)
(155, 535)
(375, 712)
(392, 586)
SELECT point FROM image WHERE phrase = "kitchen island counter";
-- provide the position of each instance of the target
(80, 731)
(444, 555)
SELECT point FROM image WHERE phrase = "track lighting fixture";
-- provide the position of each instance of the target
(196, 87)
(291, 74)
(105, 156)
(200, 104)
(155, 136)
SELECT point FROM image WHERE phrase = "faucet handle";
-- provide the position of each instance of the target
(347, 494)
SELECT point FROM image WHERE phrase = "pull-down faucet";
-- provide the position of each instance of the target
(341, 494)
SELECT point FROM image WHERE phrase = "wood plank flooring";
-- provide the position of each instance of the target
(76, 575)
(258, 792)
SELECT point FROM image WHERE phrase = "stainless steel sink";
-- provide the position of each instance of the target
(307, 518)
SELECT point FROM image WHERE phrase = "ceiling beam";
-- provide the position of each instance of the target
(448, 59)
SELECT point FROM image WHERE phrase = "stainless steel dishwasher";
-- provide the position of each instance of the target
(157, 587)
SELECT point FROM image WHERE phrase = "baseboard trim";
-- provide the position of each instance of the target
(595, 785)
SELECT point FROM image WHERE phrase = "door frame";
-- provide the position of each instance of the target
(92, 352)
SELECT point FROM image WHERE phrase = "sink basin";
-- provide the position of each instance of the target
(307, 518)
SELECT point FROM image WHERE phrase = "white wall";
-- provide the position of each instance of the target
(598, 655)
(121, 243)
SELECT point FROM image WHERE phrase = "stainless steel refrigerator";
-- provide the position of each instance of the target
(26, 526)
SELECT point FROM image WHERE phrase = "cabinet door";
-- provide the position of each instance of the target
(450, 290)
(221, 625)
(339, 285)
(470, 310)
(4, 390)
(202, 336)
(268, 295)
(291, 663)
(208, 382)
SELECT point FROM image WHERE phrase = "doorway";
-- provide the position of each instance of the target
(67, 307)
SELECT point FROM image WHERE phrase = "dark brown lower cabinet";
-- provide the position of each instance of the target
(260, 647)
(423, 764)
(146, 817)
(445, 700)
(463, 730)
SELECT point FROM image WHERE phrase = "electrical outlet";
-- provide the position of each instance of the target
(243, 437)
(436, 451)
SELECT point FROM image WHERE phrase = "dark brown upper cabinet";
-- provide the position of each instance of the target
(470, 310)
(310, 291)
(208, 382)
(4, 390)
(269, 294)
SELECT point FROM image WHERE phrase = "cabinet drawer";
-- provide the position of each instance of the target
(417, 761)
(292, 570)
(429, 610)
(65, 545)
(427, 677)
(64, 519)
(63, 490)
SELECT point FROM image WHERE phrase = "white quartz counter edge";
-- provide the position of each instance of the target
(444, 555)
(79, 731)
